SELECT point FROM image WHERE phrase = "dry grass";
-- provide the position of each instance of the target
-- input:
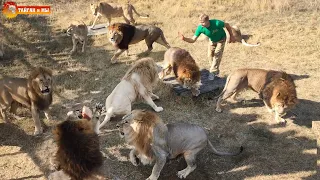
(288, 31)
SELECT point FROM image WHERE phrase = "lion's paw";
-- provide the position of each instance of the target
(158, 109)
(218, 109)
(38, 131)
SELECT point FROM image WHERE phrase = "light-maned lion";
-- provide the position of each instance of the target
(184, 67)
(276, 89)
(79, 34)
(78, 155)
(110, 10)
(136, 84)
(154, 141)
(239, 38)
(122, 35)
(34, 93)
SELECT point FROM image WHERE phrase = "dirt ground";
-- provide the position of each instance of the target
(288, 42)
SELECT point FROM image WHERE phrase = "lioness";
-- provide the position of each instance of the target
(154, 141)
(79, 34)
(239, 38)
(122, 35)
(110, 10)
(184, 67)
(136, 83)
(276, 89)
(78, 154)
(34, 93)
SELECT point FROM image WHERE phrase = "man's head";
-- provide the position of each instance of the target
(204, 20)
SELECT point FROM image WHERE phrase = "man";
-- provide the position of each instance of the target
(218, 33)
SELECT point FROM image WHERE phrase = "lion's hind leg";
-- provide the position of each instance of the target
(190, 157)
(162, 40)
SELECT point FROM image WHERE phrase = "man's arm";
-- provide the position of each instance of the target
(189, 40)
(227, 29)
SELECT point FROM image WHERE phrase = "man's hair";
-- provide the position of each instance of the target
(203, 17)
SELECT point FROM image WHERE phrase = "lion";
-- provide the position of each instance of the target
(136, 84)
(154, 141)
(110, 10)
(276, 89)
(79, 34)
(239, 38)
(184, 67)
(122, 35)
(34, 93)
(78, 155)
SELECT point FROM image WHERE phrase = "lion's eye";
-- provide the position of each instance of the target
(126, 122)
(41, 80)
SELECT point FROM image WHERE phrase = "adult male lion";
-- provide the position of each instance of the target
(136, 84)
(276, 89)
(154, 141)
(122, 35)
(78, 155)
(34, 93)
(79, 34)
(184, 67)
(110, 10)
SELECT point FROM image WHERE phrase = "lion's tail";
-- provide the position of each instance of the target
(141, 16)
(215, 151)
(166, 44)
(108, 114)
(225, 86)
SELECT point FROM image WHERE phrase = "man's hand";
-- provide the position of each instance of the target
(181, 36)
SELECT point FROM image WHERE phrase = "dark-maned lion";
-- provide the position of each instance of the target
(154, 141)
(110, 10)
(78, 154)
(137, 83)
(184, 67)
(34, 93)
(122, 35)
(276, 89)
(79, 34)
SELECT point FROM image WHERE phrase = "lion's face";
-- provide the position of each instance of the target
(189, 79)
(129, 124)
(281, 103)
(43, 82)
(115, 35)
(94, 9)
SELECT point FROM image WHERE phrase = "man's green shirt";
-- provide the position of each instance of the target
(215, 31)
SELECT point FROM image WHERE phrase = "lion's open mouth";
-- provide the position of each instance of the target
(45, 91)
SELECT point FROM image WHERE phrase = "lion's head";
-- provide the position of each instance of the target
(94, 9)
(79, 30)
(115, 33)
(281, 93)
(78, 152)
(40, 81)
(189, 78)
(137, 129)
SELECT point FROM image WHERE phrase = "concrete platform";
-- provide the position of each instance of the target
(206, 87)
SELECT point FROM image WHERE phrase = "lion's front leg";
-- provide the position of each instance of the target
(278, 118)
(134, 157)
(37, 124)
(161, 157)
(116, 55)
(84, 45)
(74, 45)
